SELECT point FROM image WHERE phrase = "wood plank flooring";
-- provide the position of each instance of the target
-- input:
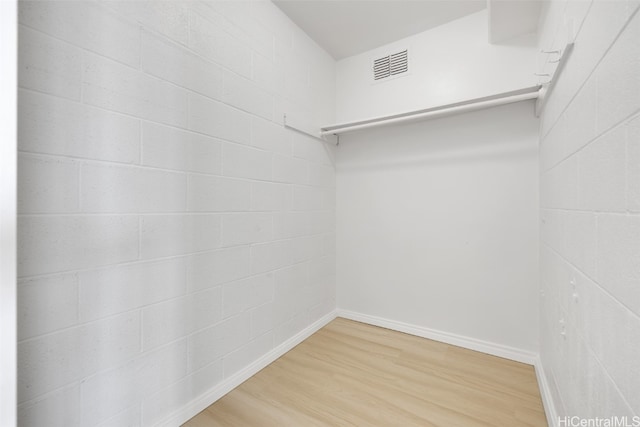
(353, 374)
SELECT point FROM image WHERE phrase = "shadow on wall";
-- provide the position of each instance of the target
(495, 152)
(467, 138)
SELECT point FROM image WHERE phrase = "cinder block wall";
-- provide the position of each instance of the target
(590, 205)
(171, 230)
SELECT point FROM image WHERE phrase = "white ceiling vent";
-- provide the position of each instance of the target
(390, 65)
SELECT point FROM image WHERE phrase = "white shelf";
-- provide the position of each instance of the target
(434, 112)
(299, 125)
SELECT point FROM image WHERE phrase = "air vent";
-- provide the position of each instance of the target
(391, 65)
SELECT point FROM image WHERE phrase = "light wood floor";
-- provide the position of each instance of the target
(352, 374)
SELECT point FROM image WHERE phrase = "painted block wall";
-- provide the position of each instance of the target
(171, 231)
(590, 227)
(437, 225)
(450, 63)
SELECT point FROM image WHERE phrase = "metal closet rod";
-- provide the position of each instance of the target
(432, 113)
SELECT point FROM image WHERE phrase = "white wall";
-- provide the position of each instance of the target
(171, 231)
(590, 201)
(450, 63)
(8, 154)
(437, 224)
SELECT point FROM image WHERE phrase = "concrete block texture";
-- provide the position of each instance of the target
(594, 126)
(152, 168)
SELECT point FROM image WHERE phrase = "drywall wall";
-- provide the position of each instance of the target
(437, 225)
(590, 193)
(450, 63)
(171, 231)
(8, 161)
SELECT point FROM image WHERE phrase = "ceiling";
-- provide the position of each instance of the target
(348, 27)
(508, 18)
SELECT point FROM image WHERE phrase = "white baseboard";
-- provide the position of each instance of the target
(545, 392)
(203, 401)
(445, 337)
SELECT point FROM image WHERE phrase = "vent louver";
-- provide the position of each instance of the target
(390, 65)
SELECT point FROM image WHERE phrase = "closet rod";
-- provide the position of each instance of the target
(431, 113)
